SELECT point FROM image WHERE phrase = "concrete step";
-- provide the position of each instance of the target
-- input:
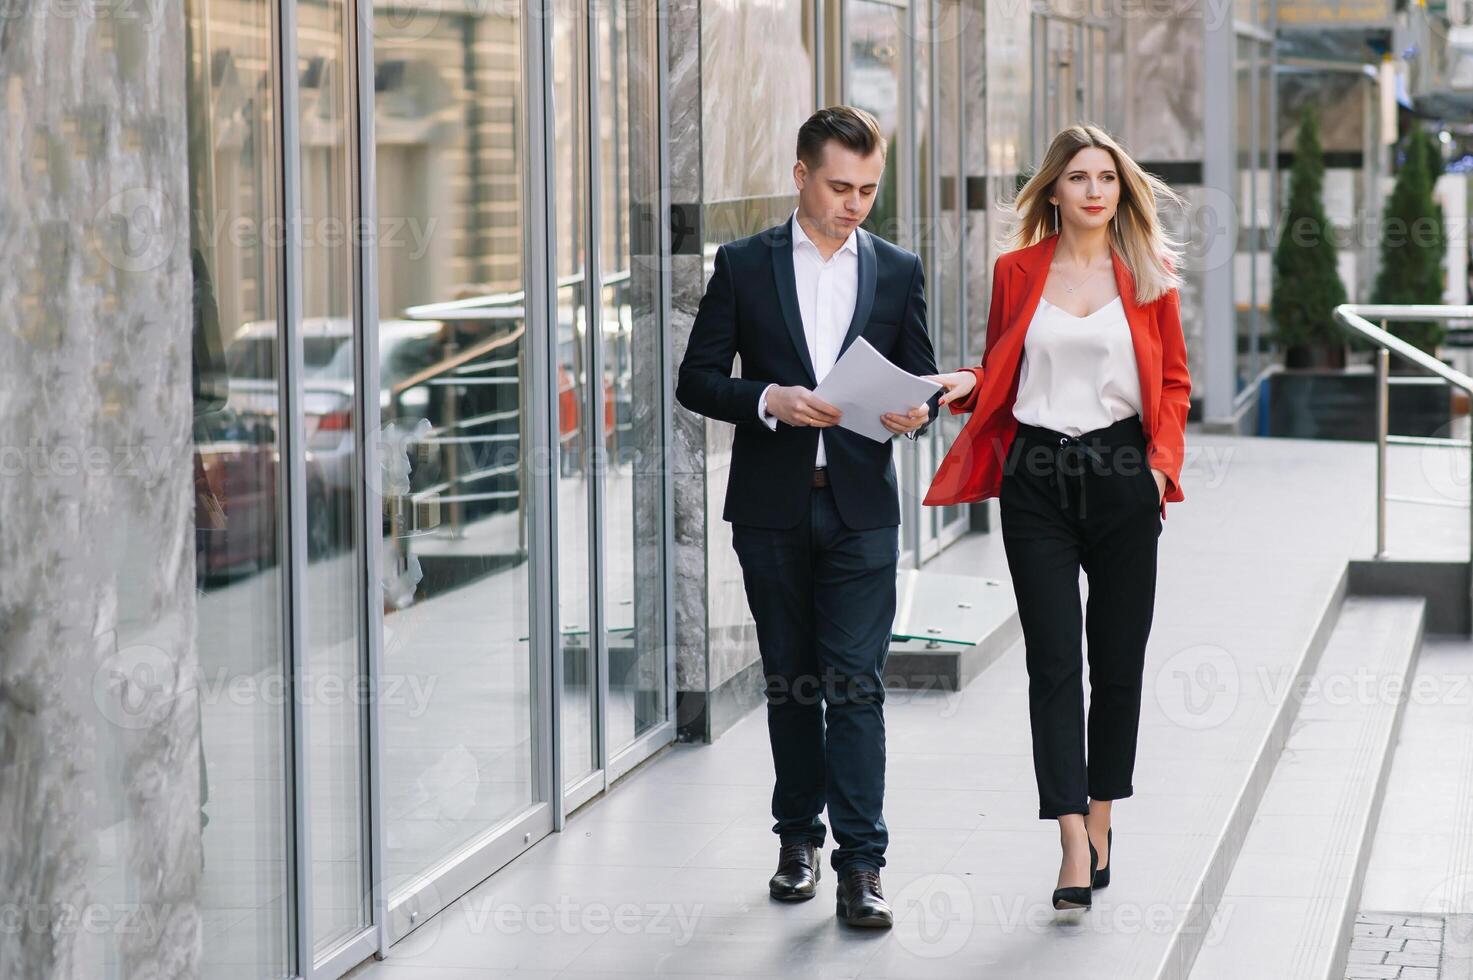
(1288, 908)
(1416, 907)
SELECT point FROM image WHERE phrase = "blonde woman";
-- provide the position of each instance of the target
(1078, 412)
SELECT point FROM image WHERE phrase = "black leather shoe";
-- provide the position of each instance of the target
(860, 901)
(1077, 896)
(1102, 876)
(797, 873)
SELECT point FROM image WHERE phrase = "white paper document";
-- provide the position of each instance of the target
(864, 384)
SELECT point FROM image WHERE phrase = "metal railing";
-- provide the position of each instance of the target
(1357, 319)
(447, 375)
(478, 366)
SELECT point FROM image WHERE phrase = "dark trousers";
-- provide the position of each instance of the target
(823, 598)
(1069, 503)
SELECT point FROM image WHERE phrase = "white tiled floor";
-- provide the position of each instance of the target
(667, 875)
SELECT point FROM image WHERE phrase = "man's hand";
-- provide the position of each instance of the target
(900, 424)
(797, 405)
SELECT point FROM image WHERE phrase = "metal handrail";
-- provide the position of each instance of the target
(1353, 316)
(441, 368)
(435, 374)
(491, 306)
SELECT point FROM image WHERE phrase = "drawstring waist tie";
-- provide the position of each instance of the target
(1073, 456)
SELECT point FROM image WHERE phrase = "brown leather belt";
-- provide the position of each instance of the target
(820, 476)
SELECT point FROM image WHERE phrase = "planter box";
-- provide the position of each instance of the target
(1334, 404)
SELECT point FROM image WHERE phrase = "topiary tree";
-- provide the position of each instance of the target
(1413, 241)
(1307, 285)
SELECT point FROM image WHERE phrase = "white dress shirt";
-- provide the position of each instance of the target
(1079, 373)
(826, 294)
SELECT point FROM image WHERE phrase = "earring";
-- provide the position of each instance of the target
(1056, 219)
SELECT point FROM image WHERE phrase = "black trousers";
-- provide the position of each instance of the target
(1069, 503)
(823, 598)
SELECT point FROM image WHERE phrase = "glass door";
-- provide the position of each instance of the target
(461, 555)
(577, 410)
(608, 357)
(334, 679)
(631, 362)
(240, 508)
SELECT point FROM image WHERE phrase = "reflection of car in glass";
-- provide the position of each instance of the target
(405, 346)
(327, 401)
(234, 494)
(235, 500)
(474, 457)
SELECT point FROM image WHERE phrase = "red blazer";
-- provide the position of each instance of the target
(972, 468)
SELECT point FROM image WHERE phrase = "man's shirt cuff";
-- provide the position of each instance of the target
(769, 420)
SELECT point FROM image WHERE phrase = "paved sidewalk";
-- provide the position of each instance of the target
(667, 874)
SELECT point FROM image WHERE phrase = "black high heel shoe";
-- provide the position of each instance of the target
(1102, 876)
(1076, 896)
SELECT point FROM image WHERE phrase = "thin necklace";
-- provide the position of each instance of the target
(1068, 288)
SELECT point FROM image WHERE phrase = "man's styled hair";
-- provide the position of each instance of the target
(852, 128)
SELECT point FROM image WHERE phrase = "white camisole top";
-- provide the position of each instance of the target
(1078, 373)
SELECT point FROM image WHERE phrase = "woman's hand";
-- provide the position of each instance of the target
(958, 384)
(1160, 485)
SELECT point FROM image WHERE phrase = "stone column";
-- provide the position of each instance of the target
(687, 284)
(735, 110)
(99, 726)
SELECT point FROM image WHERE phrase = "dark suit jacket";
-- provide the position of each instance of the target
(751, 310)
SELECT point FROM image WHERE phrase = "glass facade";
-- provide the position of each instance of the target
(383, 563)
(877, 79)
(418, 596)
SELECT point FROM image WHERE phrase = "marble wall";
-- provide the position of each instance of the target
(99, 723)
(757, 73)
(731, 634)
(740, 84)
(1008, 91)
(1163, 92)
(999, 77)
(1341, 111)
(1163, 84)
(689, 479)
(687, 453)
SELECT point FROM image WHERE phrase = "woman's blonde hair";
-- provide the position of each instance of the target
(1135, 230)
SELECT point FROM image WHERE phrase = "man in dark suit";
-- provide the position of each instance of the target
(814, 508)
